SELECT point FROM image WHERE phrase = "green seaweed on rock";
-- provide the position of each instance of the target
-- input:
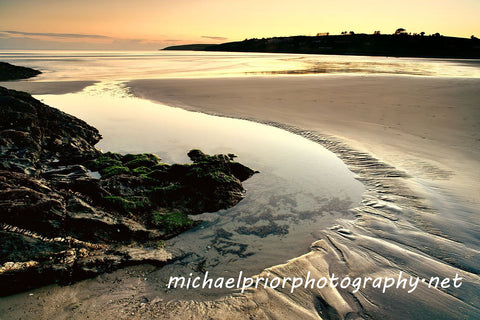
(141, 171)
(130, 205)
(138, 185)
(172, 222)
(63, 224)
(114, 170)
(140, 160)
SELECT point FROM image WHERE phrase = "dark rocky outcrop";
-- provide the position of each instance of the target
(69, 211)
(11, 72)
(397, 45)
(33, 135)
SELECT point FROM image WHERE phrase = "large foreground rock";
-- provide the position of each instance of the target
(34, 135)
(59, 224)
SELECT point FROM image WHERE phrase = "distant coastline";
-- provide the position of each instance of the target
(191, 47)
(397, 45)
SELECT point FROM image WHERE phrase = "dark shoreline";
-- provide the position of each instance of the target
(11, 72)
(402, 45)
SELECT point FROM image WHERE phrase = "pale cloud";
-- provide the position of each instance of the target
(54, 35)
(12, 39)
(215, 38)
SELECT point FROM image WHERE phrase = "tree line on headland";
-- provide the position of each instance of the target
(398, 44)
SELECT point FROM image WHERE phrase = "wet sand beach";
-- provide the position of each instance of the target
(414, 144)
(413, 141)
(429, 127)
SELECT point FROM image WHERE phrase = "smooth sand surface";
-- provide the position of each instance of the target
(385, 129)
(47, 87)
(429, 127)
(414, 143)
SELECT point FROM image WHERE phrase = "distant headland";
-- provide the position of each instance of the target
(399, 44)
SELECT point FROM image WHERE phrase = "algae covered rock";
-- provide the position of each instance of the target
(69, 211)
(142, 187)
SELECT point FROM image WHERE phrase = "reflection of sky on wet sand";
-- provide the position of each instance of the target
(301, 189)
(127, 65)
(130, 124)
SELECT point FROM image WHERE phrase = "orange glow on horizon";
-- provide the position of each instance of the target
(159, 23)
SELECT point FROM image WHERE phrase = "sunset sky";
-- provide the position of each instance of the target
(153, 24)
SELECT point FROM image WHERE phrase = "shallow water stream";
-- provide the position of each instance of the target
(301, 188)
